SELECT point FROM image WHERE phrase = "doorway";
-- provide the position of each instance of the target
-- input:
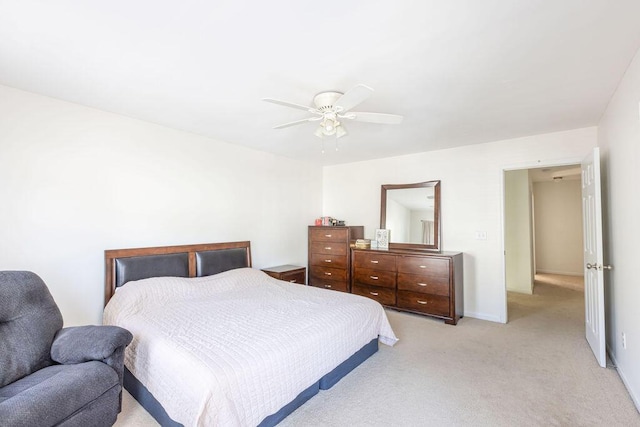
(543, 237)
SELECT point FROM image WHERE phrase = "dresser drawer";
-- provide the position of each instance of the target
(425, 303)
(424, 283)
(374, 261)
(384, 296)
(329, 234)
(423, 265)
(328, 273)
(330, 248)
(295, 277)
(327, 260)
(328, 284)
(365, 276)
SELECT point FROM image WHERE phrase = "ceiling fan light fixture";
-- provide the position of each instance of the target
(331, 107)
(329, 126)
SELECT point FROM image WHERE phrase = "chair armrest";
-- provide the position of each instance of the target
(84, 343)
(80, 344)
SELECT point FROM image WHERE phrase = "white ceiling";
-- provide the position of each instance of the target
(461, 72)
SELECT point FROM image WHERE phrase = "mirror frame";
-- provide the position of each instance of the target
(436, 215)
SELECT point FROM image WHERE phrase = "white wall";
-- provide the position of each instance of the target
(398, 219)
(559, 234)
(619, 139)
(75, 181)
(472, 195)
(518, 236)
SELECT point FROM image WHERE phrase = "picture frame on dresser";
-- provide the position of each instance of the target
(382, 238)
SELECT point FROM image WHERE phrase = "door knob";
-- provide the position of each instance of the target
(598, 267)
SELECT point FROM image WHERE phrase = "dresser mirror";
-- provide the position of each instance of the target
(411, 213)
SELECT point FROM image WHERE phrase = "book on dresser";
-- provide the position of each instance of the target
(330, 257)
(362, 243)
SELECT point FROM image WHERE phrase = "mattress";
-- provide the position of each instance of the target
(234, 348)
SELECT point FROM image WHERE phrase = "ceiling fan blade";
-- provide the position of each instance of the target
(389, 119)
(353, 97)
(297, 122)
(291, 104)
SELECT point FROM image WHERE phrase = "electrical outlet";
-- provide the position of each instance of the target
(481, 235)
(624, 341)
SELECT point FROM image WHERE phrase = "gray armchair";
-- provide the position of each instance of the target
(51, 375)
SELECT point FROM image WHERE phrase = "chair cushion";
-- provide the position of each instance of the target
(51, 395)
(29, 319)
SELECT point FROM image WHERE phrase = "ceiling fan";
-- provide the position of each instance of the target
(330, 108)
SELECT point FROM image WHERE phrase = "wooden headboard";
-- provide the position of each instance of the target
(123, 265)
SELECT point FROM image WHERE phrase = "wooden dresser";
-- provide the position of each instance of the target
(329, 256)
(419, 282)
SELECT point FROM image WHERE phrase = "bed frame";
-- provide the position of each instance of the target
(124, 265)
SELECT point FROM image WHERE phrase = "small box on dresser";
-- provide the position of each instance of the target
(429, 283)
(329, 256)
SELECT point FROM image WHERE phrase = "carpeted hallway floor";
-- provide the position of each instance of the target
(571, 282)
(536, 370)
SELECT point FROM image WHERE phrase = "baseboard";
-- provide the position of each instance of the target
(484, 316)
(634, 398)
(563, 273)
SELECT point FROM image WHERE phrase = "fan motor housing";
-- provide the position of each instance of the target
(325, 101)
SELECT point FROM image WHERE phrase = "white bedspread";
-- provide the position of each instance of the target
(231, 349)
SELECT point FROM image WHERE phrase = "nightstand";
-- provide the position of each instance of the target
(288, 273)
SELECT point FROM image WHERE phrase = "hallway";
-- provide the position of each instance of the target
(570, 282)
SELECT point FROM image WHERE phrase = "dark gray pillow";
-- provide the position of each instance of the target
(29, 320)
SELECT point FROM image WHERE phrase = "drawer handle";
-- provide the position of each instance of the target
(292, 281)
(421, 284)
(375, 294)
(374, 277)
(327, 274)
(327, 286)
(422, 302)
(328, 248)
(327, 260)
(374, 261)
(327, 235)
(423, 266)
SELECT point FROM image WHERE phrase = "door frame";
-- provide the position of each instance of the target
(504, 316)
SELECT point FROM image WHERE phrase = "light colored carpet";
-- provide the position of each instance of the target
(571, 282)
(537, 370)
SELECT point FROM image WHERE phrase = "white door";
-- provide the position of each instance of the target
(593, 258)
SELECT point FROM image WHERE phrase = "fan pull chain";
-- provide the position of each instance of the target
(322, 145)
(336, 144)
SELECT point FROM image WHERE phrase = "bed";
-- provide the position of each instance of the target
(217, 342)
